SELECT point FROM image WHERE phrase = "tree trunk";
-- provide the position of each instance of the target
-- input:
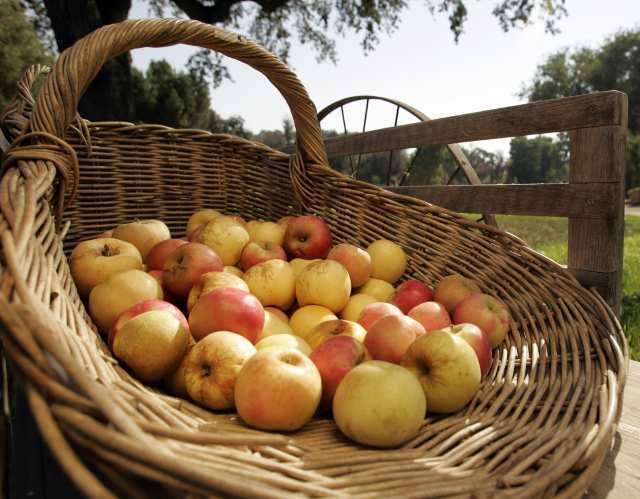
(109, 95)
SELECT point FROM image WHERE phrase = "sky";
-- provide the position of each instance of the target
(419, 64)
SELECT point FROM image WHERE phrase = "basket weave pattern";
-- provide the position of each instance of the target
(540, 424)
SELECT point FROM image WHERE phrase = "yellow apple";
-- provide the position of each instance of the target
(267, 232)
(212, 368)
(201, 217)
(119, 292)
(93, 261)
(306, 318)
(388, 260)
(143, 234)
(452, 289)
(174, 382)
(224, 236)
(356, 260)
(300, 263)
(447, 367)
(379, 404)
(272, 282)
(279, 313)
(355, 305)
(325, 283)
(214, 280)
(233, 270)
(377, 288)
(337, 327)
(273, 324)
(284, 341)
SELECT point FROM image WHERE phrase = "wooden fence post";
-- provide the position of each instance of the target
(596, 245)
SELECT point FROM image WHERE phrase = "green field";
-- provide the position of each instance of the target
(549, 236)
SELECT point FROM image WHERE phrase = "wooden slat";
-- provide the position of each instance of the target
(588, 201)
(557, 115)
(603, 282)
(619, 478)
(598, 155)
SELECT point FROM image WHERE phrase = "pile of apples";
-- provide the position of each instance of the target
(283, 325)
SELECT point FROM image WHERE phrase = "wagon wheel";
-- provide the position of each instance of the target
(462, 162)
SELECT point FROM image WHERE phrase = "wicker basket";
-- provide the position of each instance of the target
(540, 425)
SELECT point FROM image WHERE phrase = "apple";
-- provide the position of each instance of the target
(174, 382)
(214, 280)
(142, 307)
(379, 289)
(388, 260)
(152, 344)
(379, 404)
(167, 295)
(267, 232)
(110, 298)
(300, 263)
(272, 282)
(479, 341)
(106, 233)
(337, 327)
(278, 389)
(186, 264)
(157, 256)
(411, 293)
(390, 336)
(278, 313)
(307, 237)
(199, 218)
(262, 251)
(374, 311)
(284, 340)
(143, 234)
(227, 309)
(488, 313)
(236, 219)
(431, 314)
(325, 283)
(452, 289)
(212, 368)
(356, 260)
(93, 261)
(273, 324)
(306, 318)
(284, 221)
(233, 270)
(334, 358)
(224, 236)
(355, 305)
(447, 368)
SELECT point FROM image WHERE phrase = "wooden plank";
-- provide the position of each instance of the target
(619, 477)
(598, 155)
(604, 282)
(586, 201)
(557, 115)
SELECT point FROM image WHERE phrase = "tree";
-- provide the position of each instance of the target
(273, 23)
(19, 48)
(613, 66)
(536, 160)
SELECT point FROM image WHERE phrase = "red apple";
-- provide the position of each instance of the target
(159, 253)
(260, 251)
(186, 264)
(390, 336)
(452, 289)
(479, 341)
(334, 358)
(167, 295)
(411, 293)
(432, 315)
(307, 237)
(356, 260)
(227, 309)
(488, 313)
(374, 311)
(142, 307)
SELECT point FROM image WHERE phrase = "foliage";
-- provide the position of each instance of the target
(613, 66)
(19, 47)
(540, 159)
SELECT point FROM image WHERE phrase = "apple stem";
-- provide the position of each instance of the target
(106, 251)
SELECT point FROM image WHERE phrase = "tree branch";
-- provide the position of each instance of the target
(220, 11)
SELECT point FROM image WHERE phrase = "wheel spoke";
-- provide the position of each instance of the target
(344, 124)
(395, 124)
(364, 127)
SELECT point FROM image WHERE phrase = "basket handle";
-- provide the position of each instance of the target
(57, 100)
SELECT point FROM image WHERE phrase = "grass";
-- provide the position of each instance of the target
(548, 235)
